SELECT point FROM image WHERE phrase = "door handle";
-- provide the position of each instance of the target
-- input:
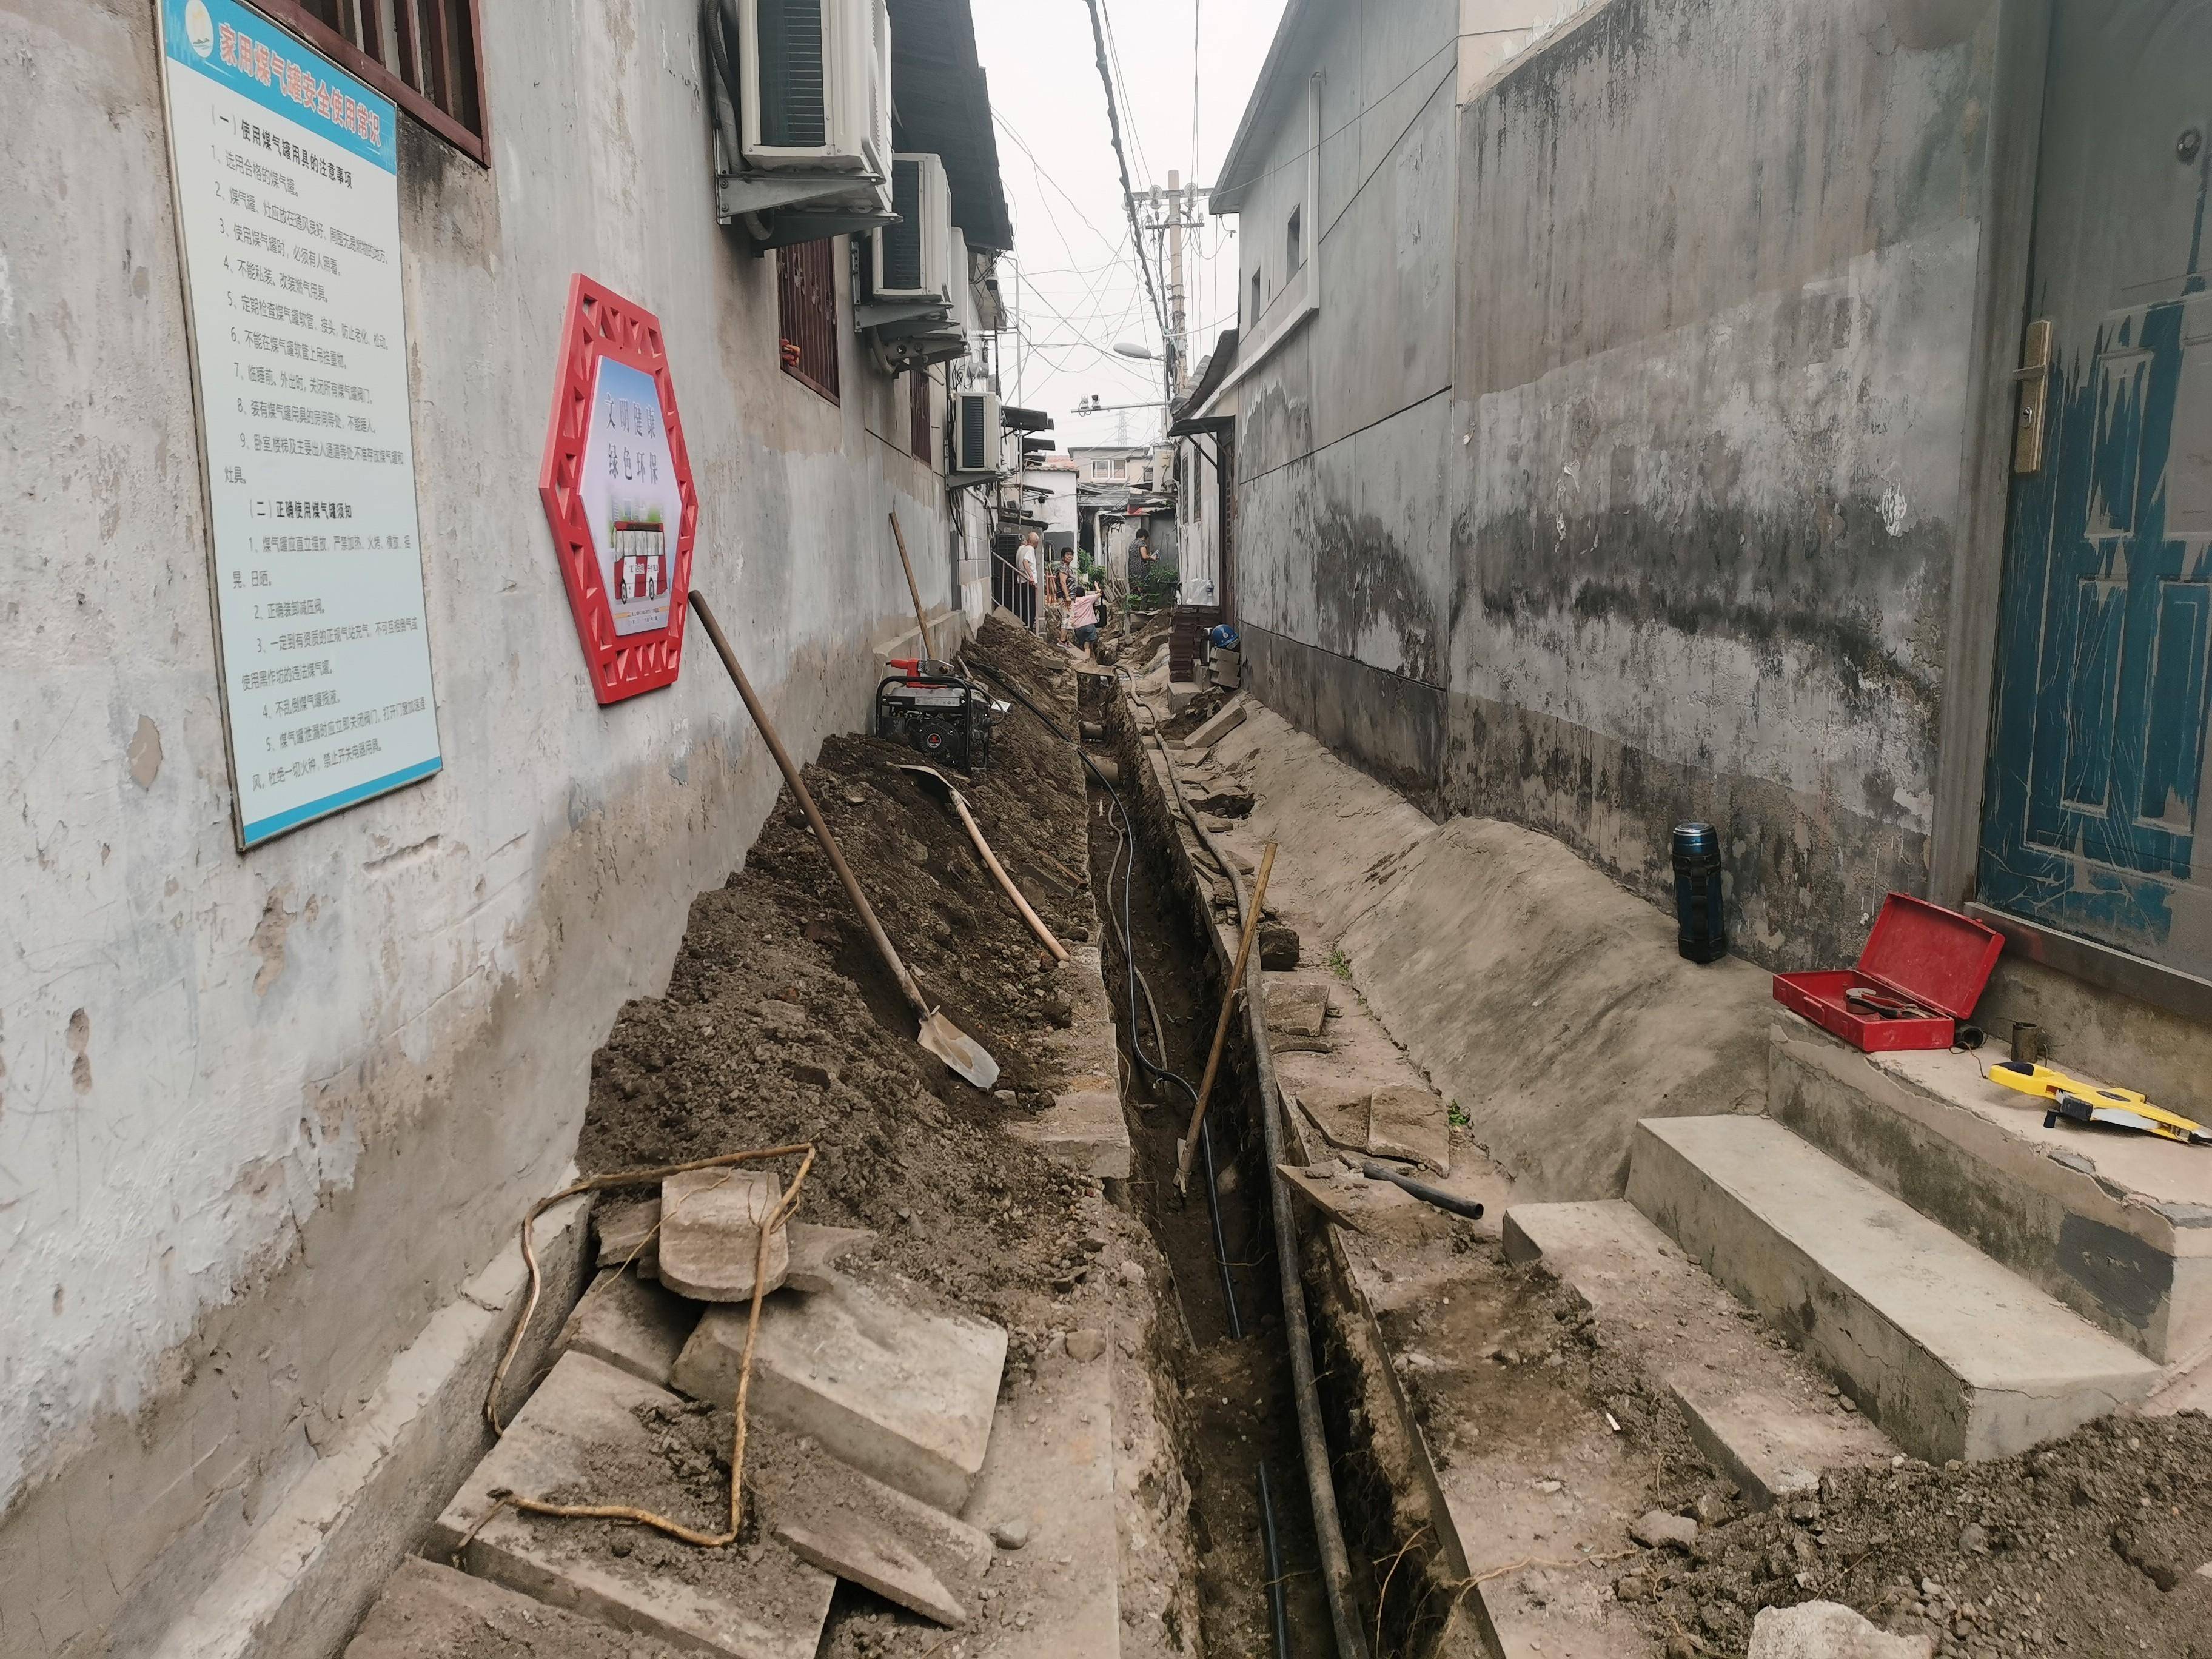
(2033, 375)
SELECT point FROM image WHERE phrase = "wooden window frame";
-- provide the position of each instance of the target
(809, 352)
(476, 146)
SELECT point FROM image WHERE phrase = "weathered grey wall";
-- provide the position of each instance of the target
(1716, 274)
(1343, 550)
(259, 1115)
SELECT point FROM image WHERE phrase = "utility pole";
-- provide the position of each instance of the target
(1178, 315)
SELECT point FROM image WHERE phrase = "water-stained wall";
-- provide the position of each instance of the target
(260, 1115)
(1717, 273)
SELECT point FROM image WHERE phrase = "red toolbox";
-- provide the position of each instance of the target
(1918, 954)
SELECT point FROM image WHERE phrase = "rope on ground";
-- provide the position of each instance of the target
(675, 1529)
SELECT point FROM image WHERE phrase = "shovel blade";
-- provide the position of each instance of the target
(958, 1050)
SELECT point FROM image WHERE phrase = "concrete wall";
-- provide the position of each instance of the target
(1717, 266)
(260, 1116)
(1344, 545)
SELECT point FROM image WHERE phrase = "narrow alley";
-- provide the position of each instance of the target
(1105, 829)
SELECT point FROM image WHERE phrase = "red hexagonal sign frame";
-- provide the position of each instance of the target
(606, 336)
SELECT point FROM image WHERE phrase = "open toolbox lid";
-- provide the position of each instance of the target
(1934, 956)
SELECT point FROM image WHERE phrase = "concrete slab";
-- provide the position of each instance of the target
(1762, 1415)
(2118, 1227)
(1299, 1007)
(429, 1609)
(859, 1530)
(633, 1326)
(710, 1223)
(579, 1432)
(900, 1395)
(629, 1232)
(816, 1250)
(1084, 1128)
(1225, 720)
(1409, 1123)
(1048, 1479)
(1950, 1353)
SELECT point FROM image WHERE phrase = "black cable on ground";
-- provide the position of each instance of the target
(1125, 845)
(1279, 1615)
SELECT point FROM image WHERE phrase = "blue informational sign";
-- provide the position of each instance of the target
(287, 205)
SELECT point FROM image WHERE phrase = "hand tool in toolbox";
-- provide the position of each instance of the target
(2085, 1102)
(1922, 972)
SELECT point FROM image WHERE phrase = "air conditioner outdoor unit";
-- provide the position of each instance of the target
(913, 259)
(976, 432)
(964, 290)
(815, 85)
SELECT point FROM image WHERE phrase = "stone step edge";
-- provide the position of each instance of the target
(313, 1568)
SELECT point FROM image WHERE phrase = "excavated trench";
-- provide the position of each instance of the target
(1217, 1238)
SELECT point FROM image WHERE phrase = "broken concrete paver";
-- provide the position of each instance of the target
(1084, 1128)
(816, 1250)
(632, 1325)
(429, 1609)
(710, 1223)
(1828, 1630)
(1296, 1007)
(1227, 718)
(858, 1528)
(572, 1439)
(900, 1395)
(629, 1234)
(1410, 1124)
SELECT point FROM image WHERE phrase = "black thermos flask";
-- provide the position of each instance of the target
(1698, 908)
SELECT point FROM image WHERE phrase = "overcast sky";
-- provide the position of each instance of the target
(1073, 283)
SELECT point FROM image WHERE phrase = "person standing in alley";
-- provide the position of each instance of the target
(1025, 588)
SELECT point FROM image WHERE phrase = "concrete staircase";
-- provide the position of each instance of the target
(1950, 1353)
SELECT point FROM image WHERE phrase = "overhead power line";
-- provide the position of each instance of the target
(1128, 190)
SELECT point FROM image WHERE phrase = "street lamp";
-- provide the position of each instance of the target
(1143, 353)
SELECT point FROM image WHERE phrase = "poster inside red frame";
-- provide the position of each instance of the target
(616, 485)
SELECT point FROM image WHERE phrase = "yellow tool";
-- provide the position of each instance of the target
(2080, 1102)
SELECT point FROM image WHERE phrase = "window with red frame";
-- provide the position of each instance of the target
(807, 300)
(921, 431)
(422, 54)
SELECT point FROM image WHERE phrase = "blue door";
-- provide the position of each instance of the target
(2099, 749)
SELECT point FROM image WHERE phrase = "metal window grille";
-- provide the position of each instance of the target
(807, 297)
(920, 428)
(424, 55)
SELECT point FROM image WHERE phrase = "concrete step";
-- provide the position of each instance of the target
(1760, 1412)
(1950, 1353)
(2116, 1226)
(1048, 1481)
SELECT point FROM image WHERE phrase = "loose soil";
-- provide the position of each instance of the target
(781, 1025)
(2090, 1546)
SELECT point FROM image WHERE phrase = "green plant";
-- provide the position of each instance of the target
(1339, 965)
(1457, 1114)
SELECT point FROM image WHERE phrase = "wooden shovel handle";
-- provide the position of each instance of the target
(921, 620)
(1221, 1028)
(884, 949)
(1006, 882)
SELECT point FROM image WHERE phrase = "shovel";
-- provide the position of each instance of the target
(938, 1035)
(945, 791)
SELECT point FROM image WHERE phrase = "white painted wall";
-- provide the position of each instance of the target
(260, 1115)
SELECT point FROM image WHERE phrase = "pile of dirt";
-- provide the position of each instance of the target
(781, 1025)
(2092, 1545)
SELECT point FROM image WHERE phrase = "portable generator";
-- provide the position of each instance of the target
(932, 708)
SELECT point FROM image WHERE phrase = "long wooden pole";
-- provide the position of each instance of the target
(1221, 1027)
(1006, 882)
(911, 991)
(921, 620)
